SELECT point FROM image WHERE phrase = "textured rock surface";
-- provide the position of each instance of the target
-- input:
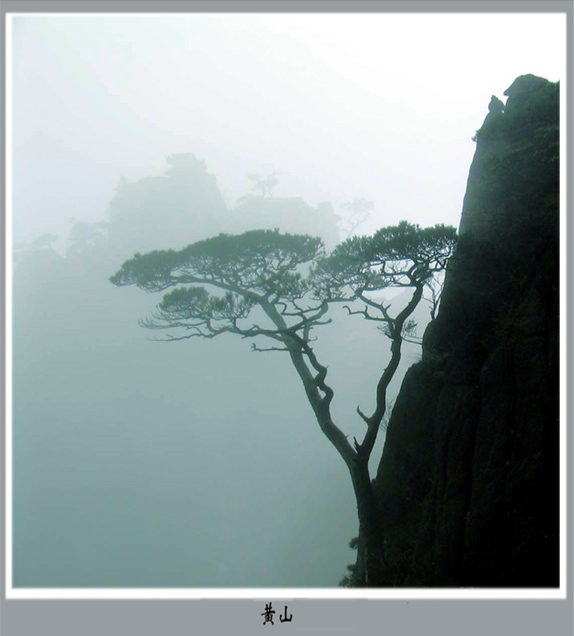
(468, 484)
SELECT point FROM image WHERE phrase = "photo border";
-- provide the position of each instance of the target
(144, 611)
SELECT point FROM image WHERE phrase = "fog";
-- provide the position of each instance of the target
(199, 463)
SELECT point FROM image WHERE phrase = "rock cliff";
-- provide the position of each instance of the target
(468, 485)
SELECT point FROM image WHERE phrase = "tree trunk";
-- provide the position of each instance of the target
(370, 550)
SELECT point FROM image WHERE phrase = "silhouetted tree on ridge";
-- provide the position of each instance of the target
(264, 284)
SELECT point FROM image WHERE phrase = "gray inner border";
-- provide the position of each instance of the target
(234, 616)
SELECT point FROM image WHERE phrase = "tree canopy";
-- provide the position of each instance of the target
(257, 268)
(404, 255)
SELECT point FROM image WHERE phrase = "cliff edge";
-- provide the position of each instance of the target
(468, 484)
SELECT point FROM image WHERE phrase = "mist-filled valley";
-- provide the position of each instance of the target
(194, 463)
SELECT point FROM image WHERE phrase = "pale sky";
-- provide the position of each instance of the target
(380, 106)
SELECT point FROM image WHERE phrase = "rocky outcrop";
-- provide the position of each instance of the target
(468, 485)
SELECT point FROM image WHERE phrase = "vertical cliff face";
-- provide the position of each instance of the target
(468, 485)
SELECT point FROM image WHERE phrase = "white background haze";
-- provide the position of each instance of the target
(380, 106)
